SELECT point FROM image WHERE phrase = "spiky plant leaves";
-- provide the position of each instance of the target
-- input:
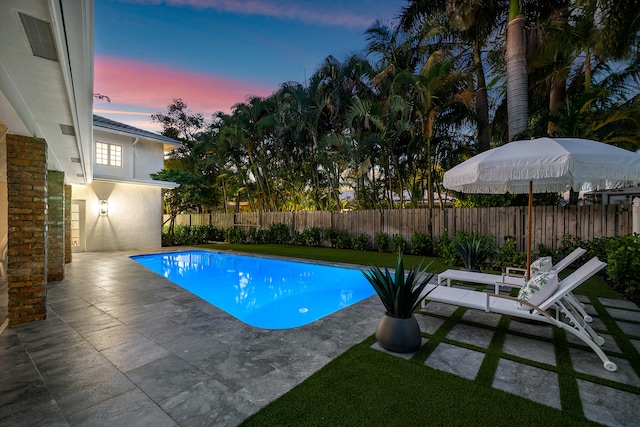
(399, 293)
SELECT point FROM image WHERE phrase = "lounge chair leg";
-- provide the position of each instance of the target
(579, 308)
(586, 334)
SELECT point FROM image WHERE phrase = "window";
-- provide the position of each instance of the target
(108, 154)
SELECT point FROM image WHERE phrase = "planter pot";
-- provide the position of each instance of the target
(399, 335)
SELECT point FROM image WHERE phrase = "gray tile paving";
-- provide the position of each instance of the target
(531, 349)
(439, 308)
(210, 403)
(608, 405)
(531, 328)
(616, 313)
(482, 317)
(618, 303)
(123, 346)
(480, 337)
(582, 298)
(533, 383)
(407, 356)
(130, 408)
(629, 328)
(583, 361)
(81, 390)
(609, 343)
(429, 324)
(597, 324)
(456, 360)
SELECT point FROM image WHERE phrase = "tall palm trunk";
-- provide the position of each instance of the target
(482, 102)
(556, 102)
(517, 85)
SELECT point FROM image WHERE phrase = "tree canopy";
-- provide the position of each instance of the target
(378, 129)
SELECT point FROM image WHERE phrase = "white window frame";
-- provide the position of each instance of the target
(108, 154)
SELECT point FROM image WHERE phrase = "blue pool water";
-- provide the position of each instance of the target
(261, 292)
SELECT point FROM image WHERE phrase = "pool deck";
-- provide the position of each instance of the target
(124, 346)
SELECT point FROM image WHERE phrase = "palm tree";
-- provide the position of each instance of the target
(437, 87)
(517, 83)
(589, 71)
(461, 27)
(391, 127)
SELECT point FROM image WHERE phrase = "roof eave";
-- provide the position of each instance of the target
(74, 29)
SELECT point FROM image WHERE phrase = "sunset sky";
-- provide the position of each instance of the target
(214, 53)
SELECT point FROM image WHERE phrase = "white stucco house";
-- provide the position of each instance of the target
(121, 208)
(68, 181)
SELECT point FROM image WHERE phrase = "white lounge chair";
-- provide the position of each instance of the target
(512, 281)
(505, 279)
(518, 275)
(558, 302)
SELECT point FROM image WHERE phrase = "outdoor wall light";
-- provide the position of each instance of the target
(104, 207)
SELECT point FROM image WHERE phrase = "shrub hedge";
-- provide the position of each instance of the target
(622, 254)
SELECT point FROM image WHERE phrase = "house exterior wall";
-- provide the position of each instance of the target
(138, 160)
(134, 220)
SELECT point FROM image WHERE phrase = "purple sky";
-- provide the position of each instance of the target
(214, 53)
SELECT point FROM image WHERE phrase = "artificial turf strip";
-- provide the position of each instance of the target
(365, 386)
(569, 392)
(489, 366)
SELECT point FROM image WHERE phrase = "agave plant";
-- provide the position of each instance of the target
(399, 294)
(473, 251)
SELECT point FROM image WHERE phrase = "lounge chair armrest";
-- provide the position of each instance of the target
(506, 282)
(533, 306)
(515, 271)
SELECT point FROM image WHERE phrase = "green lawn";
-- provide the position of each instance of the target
(365, 386)
(347, 256)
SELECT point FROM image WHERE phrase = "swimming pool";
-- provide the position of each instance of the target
(264, 293)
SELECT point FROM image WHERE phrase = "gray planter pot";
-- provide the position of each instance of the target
(399, 335)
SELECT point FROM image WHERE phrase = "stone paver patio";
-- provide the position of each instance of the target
(124, 346)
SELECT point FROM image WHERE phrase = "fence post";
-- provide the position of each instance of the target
(636, 215)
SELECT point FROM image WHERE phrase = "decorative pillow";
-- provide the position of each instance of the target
(540, 265)
(538, 289)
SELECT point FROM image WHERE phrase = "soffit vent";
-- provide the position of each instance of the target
(75, 160)
(67, 130)
(40, 37)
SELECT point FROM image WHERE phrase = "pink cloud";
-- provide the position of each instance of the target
(278, 9)
(154, 86)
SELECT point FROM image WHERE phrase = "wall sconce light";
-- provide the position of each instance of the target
(104, 207)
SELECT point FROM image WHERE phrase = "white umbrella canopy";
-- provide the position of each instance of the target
(552, 164)
(548, 165)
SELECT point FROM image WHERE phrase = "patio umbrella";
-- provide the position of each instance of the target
(549, 165)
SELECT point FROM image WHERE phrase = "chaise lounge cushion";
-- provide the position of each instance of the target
(538, 289)
(540, 265)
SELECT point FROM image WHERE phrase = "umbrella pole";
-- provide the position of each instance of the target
(529, 230)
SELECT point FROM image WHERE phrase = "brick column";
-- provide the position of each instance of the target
(27, 220)
(55, 251)
(67, 224)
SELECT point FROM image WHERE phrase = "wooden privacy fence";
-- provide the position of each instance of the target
(549, 223)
